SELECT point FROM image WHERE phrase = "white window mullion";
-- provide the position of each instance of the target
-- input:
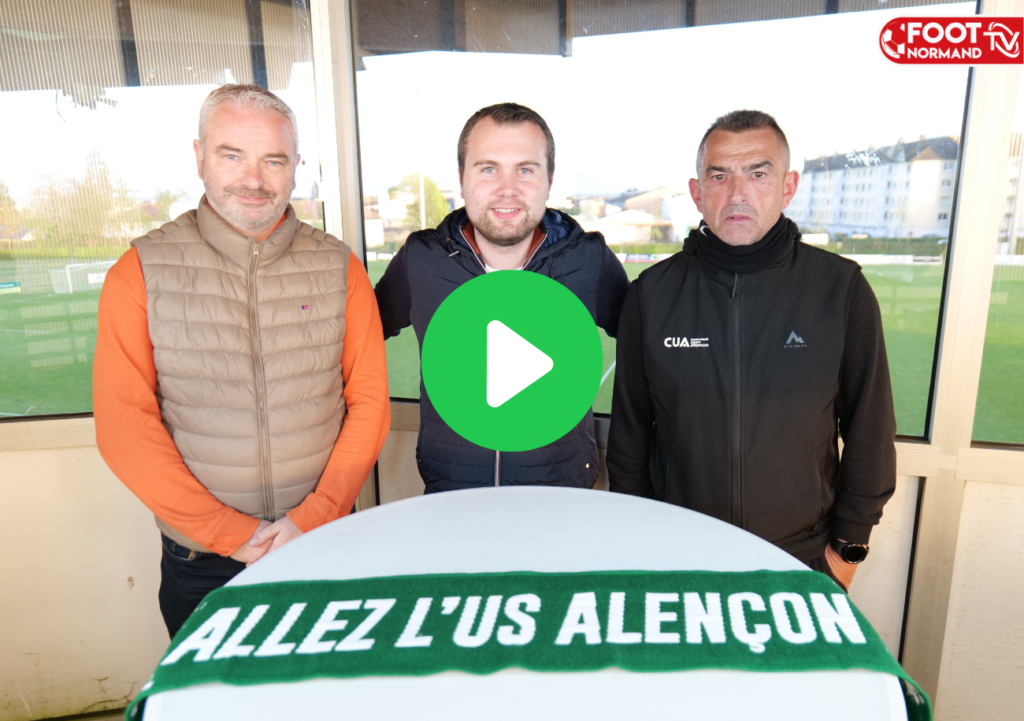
(980, 198)
(334, 72)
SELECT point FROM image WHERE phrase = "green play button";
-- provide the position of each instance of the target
(512, 360)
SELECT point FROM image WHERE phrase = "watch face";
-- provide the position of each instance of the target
(854, 553)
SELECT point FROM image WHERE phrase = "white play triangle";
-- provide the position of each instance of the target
(513, 363)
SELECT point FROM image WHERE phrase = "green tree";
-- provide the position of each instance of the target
(10, 216)
(88, 211)
(437, 205)
(164, 200)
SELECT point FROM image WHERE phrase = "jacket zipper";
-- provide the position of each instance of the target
(261, 387)
(539, 246)
(737, 471)
(498, 454)
(479, 260)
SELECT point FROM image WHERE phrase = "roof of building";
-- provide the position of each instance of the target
(621, 198)
(631, 217)
(9, 233)
(944, 148)
(659, 192)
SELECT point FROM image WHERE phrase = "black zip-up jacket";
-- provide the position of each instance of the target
(435, 262)
(732, 390)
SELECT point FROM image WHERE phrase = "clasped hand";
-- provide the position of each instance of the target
(267, 537)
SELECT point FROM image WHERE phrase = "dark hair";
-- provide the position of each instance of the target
(739, 121)
(508, 114)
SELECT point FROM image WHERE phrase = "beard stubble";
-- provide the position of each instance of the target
(254, 220)
(506, 236)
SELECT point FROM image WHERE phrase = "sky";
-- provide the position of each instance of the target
(145, 140)
(626, 110)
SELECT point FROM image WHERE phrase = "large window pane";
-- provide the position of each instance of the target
(628, 90)
(99, 103)
(999, 417)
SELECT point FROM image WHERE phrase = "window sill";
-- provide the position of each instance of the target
(35, 435)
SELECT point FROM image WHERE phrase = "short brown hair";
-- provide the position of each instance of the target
(739, 121)
(508, 114)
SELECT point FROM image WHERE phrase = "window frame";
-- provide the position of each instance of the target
(946, 459)
(66, 430)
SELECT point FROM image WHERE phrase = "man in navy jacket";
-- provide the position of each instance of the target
(506, 160)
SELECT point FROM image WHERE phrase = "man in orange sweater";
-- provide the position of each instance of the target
(240, 384)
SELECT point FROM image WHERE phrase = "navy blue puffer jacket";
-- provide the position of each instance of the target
(435, 262)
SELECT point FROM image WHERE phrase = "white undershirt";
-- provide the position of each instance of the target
(489, 269)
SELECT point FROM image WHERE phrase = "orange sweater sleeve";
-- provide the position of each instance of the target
(130, 435)
(364, 368)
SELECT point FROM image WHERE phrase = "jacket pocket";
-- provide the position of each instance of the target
(659, 467)
(821, 485)
(786, 500)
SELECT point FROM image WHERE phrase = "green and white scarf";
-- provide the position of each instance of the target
(639, 621)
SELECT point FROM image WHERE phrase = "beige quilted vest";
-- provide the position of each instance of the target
(247, 340)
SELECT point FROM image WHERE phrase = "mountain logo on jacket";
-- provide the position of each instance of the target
(686, 343)
(794, 341)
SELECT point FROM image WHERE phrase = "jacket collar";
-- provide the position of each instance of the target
(555, 226)
(237, 247)
(754, 262)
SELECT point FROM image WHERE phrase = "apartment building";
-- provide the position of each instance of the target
(1011, 224)
(898, 191)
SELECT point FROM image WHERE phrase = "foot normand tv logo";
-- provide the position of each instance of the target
(975, 40)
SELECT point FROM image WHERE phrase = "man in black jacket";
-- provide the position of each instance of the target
(744, 358)
(506, 161)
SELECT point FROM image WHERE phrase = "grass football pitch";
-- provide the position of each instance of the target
(908, 296)
(47, 341)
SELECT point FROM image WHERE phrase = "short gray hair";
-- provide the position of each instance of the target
(251, 97)
(739, 121)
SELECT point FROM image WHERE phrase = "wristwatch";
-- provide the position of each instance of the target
(849, 552)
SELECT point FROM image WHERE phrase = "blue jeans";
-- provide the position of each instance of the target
(186, 576)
